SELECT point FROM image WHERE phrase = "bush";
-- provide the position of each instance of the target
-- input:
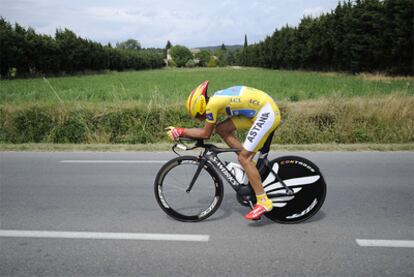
(74, 129)
(171, 63)
(204, 57)
(32, 125)
(117, 123)
(6, 133)
(212, 62)
(180, 55)
(190, 64)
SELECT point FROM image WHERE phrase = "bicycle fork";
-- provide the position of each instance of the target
(197, 173)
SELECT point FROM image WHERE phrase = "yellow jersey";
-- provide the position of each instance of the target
(237, 101)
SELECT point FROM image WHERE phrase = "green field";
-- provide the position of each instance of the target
(168, 86)
(134, 107)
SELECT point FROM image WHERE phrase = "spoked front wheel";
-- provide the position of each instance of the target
(306, 182)
(172, 191)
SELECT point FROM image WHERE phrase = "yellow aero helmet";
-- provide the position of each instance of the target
(196, 102)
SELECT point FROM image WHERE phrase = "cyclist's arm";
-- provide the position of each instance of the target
(200, 133)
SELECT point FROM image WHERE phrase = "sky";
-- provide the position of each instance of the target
(193, 23)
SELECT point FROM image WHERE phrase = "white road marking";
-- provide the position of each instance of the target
(385, 243)
(112, 236)
(112, 162)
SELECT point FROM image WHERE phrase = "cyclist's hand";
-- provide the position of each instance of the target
(174, 132)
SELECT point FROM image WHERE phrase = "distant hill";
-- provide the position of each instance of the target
(214, 48)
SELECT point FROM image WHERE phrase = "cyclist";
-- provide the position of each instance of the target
(247, 108)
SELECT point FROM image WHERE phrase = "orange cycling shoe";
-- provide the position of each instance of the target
(257, 212)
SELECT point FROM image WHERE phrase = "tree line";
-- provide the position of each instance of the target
(23, 53)
(360, 35)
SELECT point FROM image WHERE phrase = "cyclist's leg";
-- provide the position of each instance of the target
(246, 161)
(266, 122)
(226, 130)
(263, 203)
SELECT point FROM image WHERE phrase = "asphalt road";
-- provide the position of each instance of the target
(370, 197)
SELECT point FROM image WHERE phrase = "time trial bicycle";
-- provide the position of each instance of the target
(189, 188)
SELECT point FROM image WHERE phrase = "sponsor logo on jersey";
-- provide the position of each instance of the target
(254, 102)
(235, 100)
(209, 116)
(257, 126)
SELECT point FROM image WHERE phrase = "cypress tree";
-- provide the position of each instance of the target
(362, 35)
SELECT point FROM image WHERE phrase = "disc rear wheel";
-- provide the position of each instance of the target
(307, 183)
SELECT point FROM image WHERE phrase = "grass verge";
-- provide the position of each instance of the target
(387, 119)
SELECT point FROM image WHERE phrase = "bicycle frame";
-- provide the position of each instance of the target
(217, 163)
(211, 152)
